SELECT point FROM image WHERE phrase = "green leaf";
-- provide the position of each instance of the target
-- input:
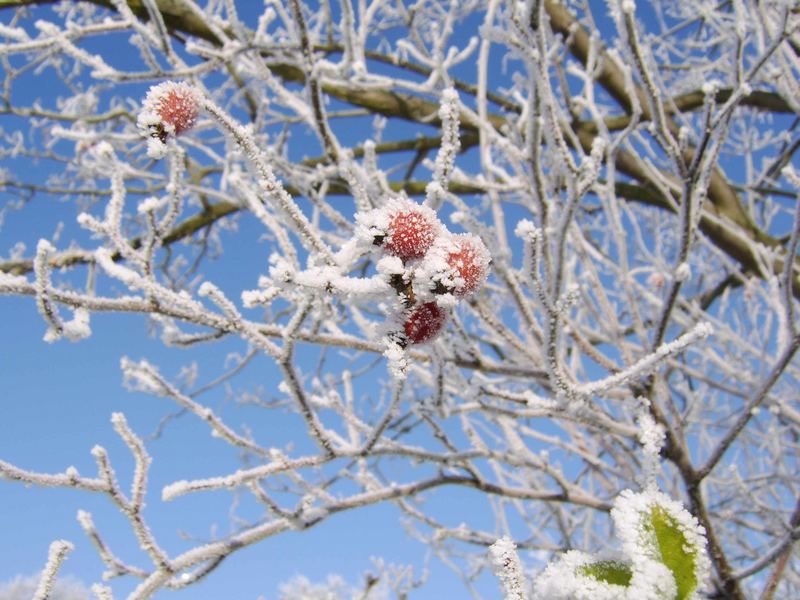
(609, 571)
(676, 553)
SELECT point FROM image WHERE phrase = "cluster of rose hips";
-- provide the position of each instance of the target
(436, 268)
(429, 267)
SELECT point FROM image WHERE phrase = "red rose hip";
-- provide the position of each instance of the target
(411, 230)
(424, 323)
(469, 259)
(170, 108)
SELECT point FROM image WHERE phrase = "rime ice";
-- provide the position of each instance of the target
(508, 568)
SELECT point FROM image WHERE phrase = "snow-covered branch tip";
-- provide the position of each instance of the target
(647, 364)
(508, 569)
(444, 165)
(55, 558)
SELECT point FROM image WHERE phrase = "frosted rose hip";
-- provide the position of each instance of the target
(410, 235)
(169, 108)
(424, 323)
(411, 230)
(402, 228)
(469, 258)
(176, 105)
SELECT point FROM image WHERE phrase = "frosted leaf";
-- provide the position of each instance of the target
(575, 576)
(579, 576)
(615, 572)
(651, 580)
(655, 528)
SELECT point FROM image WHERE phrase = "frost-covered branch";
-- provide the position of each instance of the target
(55, 557)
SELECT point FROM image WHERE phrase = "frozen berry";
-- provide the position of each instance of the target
(411, 229)
(424, 323)
(169, 108)
(469, 259)
(402, 228)
(410, 235)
